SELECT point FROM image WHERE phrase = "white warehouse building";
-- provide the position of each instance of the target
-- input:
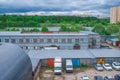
(54, 40)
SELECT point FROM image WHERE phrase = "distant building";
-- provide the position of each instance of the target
(115, 14)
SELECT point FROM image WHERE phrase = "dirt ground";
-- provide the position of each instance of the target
(77, 74)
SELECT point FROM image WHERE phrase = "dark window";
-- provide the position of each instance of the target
(69, 40)
(21, 41)
(6, 40)
(49, 40)
(13, 41)
(81, 39)
(63, 41)
(34, 40)
(0, 40)
(27, 40)
(41, 40)
(76, 40)
(55, 40)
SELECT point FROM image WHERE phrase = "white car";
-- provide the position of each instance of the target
(107, 66)
(116, 65)
(99, 67)
(85, 78)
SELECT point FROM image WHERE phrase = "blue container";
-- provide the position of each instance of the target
(76, 62)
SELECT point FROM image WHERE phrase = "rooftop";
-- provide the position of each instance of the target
(36, 55)
(18, 33)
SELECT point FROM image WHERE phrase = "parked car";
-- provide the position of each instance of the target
(98, 77)
(85, 78)
(108, 78)
(116, 65)
(99, 67)
(107, 66)
(117, 77)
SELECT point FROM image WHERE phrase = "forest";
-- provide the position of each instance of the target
(67, 23)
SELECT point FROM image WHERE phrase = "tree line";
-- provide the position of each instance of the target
(37, 21)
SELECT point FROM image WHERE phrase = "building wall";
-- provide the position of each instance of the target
(62, 41)
(115, 14)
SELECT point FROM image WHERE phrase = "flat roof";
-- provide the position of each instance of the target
(105, 52)
(18, 33)
(44, 54)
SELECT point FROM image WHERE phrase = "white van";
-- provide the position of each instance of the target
(69, 66)
(58, 65)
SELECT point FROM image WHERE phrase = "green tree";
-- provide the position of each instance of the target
(44, 29)
(99, 28)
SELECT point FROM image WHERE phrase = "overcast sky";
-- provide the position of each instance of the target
(99, 7)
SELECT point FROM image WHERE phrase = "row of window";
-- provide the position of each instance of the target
(63, 40)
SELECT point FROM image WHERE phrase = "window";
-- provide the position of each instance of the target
(6, 40)
(21, 40)
(35, 41)
(27, 40)
(49, 40)
(13, 41)
(76, 40)
(69, 40)
(63, 41)
(55, 40)
(0, 40)
(41, 40)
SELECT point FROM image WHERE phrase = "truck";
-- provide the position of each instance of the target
(69, 66)
(58, 65)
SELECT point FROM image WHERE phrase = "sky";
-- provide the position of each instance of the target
(58, 7)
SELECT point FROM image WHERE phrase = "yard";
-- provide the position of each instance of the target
(77, 74)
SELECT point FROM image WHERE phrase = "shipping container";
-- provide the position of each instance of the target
(50, 62)
(76, 62)
(44, 62)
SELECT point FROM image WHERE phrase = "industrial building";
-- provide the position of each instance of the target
(87, 57)
(55, 40)
(115, 15)
(14, 60)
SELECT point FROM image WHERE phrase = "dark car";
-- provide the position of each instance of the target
(98, 78)
(117, 77)
(108, 78)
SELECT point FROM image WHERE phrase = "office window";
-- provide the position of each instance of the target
(41, 40)
(49, 40)
(55, 40)
(63, 41)
(76, 40)
(35, 41)
(13, 41)
(21, 40)
(6, 40)
(69, 40)
(27, 40)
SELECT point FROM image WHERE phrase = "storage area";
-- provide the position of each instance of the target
(50, 62)
(76, 62)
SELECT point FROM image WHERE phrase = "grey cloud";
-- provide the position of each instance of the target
(101, 6)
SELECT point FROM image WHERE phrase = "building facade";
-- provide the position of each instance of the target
(62, 41)
(115, 14)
